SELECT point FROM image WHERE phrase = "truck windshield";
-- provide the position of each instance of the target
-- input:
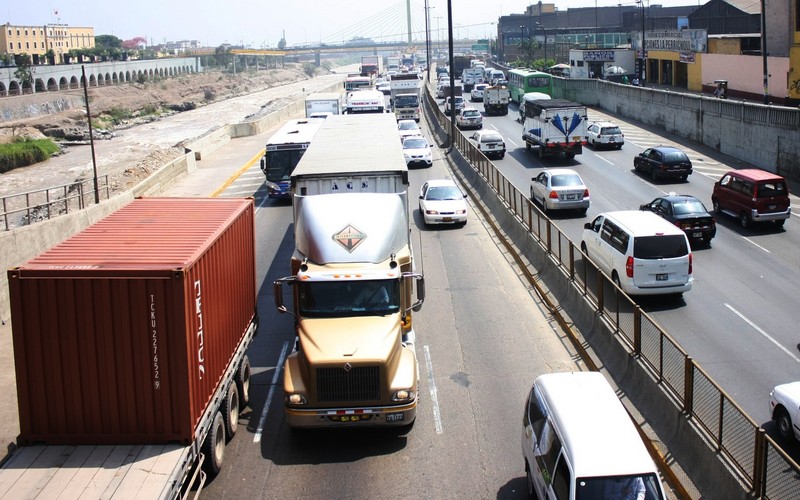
(280, 164)
(338, 299)
(406, 101)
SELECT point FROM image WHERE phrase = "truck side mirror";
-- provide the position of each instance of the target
(277, 288)
(420, 293)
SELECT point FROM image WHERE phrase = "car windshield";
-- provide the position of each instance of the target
(667, 246)
(414, 144)
(348, 298)
(610, 130)
(491, 138)
(688, 207)
(566, 180)
(408, 126)
(603, 488)
(675, 157)
(443, 193)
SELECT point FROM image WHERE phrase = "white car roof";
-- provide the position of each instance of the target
(441, 182)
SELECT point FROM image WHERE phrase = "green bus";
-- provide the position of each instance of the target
(522, 81)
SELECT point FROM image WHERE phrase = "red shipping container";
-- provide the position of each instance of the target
(123, 331)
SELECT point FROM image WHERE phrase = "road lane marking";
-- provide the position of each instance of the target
(754, 243)
(604, 159)
(437, 415)
(762, 332)
(265, 410)
(514, 143)
(236, 175)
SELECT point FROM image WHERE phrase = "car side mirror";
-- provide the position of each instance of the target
(588, 225)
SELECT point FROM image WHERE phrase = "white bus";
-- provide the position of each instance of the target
(284, 150)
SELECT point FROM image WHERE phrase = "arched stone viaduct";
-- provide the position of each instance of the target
(68, 76)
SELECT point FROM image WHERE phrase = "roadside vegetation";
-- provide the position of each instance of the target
(22, 152)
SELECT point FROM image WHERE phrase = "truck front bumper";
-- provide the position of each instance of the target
(382, 416)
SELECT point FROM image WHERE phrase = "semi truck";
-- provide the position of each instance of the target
(320, 104)
(404, 91)
(555, 126)
(130, 350)
(371, 66)
(460, 63)
(352, 280)
(495, 100)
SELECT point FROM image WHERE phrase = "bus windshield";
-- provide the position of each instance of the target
(281, 163)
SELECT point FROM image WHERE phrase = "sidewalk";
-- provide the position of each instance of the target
(214, 173)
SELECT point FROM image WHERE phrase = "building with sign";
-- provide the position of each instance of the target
(599, 63)
(37, 41)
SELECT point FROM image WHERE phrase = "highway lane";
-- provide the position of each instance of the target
(481, 340)
(739, 320)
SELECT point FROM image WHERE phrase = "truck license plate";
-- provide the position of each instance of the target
(395, 417)
(662, 277)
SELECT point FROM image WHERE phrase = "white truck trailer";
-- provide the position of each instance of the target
(555, 126)
(495, 100)
(404, 91)
(320, 104)
(352, 279)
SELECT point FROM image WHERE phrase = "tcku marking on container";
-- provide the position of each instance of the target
(154, 340)
(200, 337)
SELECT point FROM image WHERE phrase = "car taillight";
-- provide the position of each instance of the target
(586, 193)
(553, 195)
(629, 267)
(690, 263)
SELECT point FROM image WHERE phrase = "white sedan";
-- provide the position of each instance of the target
(442, 202)
(407, 128)
(560, 189)
(784, 408)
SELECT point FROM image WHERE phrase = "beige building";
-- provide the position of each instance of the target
(37, 40)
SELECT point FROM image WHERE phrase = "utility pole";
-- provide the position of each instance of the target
(408, 20)
(764, 49)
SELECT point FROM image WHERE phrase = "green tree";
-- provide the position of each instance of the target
(107, 42)
(23, 72)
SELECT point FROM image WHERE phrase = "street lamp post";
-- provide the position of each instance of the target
(544, 33)
(521, 39)
(644, 47)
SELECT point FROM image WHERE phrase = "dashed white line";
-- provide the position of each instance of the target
(265, 410)
(762, 332)
(755, 244)
(512, 142)
(437, 416)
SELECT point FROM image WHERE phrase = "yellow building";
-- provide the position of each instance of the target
(37, 40)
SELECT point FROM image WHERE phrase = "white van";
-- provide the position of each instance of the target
(641, 252)
(579, 442)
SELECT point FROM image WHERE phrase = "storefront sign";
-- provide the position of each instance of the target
(686, 40)
(598, 55)
(687, 57)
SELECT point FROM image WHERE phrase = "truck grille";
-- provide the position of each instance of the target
(361, 383)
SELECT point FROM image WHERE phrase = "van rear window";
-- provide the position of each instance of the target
(770, 189)
(660, 247)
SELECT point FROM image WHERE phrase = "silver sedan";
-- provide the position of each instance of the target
(560, 189)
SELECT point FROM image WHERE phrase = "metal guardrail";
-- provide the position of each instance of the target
(755, 458)
(23, 209)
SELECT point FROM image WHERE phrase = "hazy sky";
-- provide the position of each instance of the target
(260, 24)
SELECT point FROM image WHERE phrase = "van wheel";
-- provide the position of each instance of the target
(529, 480)
(584, 249)
(784, 424)
(715, 205)
(615, 279)
(744, 220)
(779, 223)
(230, 410)
(214, 446)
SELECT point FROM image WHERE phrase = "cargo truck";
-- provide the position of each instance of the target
(460, 63)
(323, 102)
(495, 100)
(404, 90)
(393, 64)
(352, 279)
(130, 349)
(365, 101)
(555, 126)
(371, 66)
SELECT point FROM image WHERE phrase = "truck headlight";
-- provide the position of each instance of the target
(403, 395)
(296, 399)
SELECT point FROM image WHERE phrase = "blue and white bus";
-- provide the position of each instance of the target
(284, 150)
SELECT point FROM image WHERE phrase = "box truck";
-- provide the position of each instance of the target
(321, 104)
(352, 275)
(371, 66)
(555, 126)
(130, 349)
(404, 90)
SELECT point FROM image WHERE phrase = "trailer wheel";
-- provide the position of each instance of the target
(230, 411)
(243, 381)
(214, 447)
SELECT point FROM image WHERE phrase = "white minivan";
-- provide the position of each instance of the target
(641, 252)
(578, 442)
